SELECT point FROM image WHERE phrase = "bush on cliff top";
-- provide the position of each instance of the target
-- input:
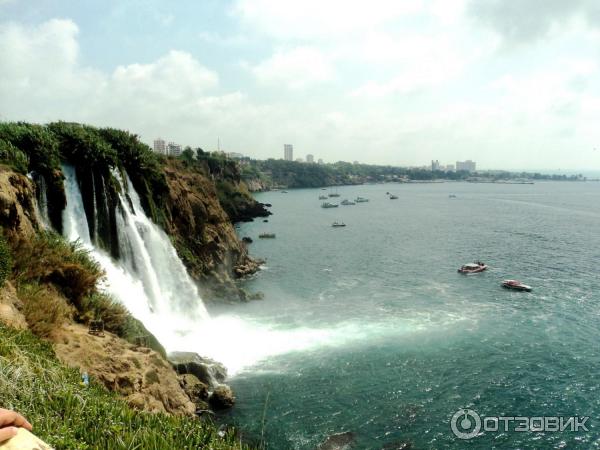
(68, 415)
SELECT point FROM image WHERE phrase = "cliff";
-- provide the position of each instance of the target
(202, 231)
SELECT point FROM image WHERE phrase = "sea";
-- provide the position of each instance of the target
(368, 330)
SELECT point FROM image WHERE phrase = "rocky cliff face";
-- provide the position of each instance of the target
(203, 233)
(17, 204)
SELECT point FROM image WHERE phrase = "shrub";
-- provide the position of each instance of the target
(43, 308)
(49, 258)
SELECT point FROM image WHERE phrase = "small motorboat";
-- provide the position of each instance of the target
(476, 267)
(267, 235)
(322, 197)
(393, 197)
(361, 200)
(516, 285)
(328, 205)
(347, 202)
(452, 196)
(338, 224)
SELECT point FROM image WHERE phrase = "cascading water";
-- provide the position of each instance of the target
(152, 282)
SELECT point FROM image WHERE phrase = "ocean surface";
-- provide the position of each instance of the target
(369, 329)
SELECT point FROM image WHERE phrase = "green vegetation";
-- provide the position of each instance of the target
(94, 152)
(68, 415)
(292, 174)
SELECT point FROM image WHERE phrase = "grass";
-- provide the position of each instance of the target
(49, 258)
(68, 415)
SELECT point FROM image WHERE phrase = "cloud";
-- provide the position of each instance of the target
(43, 80)
(529, 20)
(420, 61)
(295, 68)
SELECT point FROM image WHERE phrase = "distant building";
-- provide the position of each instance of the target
(467, 166)
(173, 149)
(310, 158)
(320, 161)
(234, 155)
(450, 168)
(160, 146)
(435, 165)
(299, 160)
(288, 152)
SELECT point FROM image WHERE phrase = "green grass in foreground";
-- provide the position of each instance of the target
(68, 415)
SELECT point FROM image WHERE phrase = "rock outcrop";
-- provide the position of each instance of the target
(209, 373)
(10, 308)
(17, 204)
(142, 376)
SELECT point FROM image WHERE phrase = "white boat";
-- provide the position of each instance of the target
(347, 202)
(516, 285)
(337, 224)
(328, 205)
(361, 200)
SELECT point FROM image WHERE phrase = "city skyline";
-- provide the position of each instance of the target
(392, 83)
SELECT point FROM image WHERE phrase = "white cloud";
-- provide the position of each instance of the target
(296, 68)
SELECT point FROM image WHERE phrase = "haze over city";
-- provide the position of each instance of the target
(511, 85)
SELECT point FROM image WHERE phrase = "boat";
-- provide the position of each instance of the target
(452, 196)
(334, 194)
(361, 200)
(476, 267)
(347, 202)
(328, 205)
(267, 235)
(393, 197)
(284, 192)
(322, 197)
(516, 285)
(338, 224)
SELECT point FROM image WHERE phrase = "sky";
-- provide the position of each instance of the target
(510, 84)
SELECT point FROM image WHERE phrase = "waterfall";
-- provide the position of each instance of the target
(41, 199)
(149, 278)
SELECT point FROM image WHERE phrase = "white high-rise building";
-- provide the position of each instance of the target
(435, 165)
(310, 158)
(160, 146)
(468, 165)
(173, 149)
(288, 152)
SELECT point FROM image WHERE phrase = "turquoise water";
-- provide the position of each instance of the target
(375, 333)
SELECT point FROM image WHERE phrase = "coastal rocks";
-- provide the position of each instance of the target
(142, 376)
(206, 370)
(17, 204)
(196, 390)
(210, 374)
(250, 267)
(338, 441)
(222, 398)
